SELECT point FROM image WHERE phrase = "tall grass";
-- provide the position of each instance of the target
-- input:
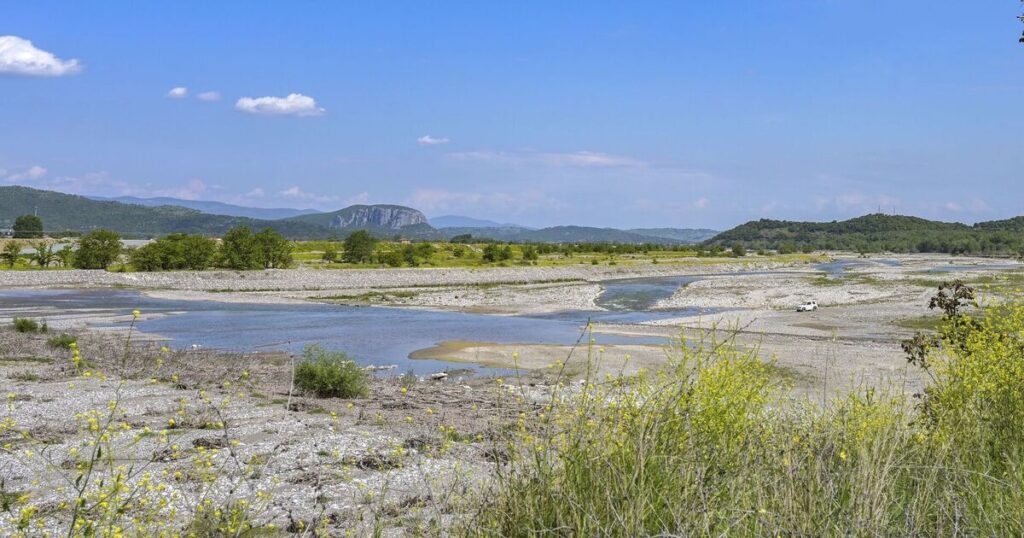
(710, 447)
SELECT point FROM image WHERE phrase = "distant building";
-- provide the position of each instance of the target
(6, 233)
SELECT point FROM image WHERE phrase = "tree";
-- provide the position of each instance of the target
(409, 256)
(272, 249)
(358, 247)
(66, 255)
(330, 253)
(28, 227)
(97, 249)
(10, 253)
(392, 258)
(197, 252)
(147, 258)
(238, 249)
(530, 253)
(491, 253)
(739, 250)
(44, 254)
(787, 247)
(176, 251)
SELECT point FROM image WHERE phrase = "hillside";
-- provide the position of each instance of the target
(214, 208)
(66, 212)
(683, 235)
(456, 221)
(876, 233)
(381, 219)
(1016, 224)
(558, 234)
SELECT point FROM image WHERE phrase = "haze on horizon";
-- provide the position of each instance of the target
(650, 114)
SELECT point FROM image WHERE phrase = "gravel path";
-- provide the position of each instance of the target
(358, 279)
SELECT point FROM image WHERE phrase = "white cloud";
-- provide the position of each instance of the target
(701, 203)
(295, 104)
(358, 199)
(20, 57)
(255, 193)
(296, 193)
(855, 202)
(191, 190)
(433, 200)
(976, 205)
(427, 140)
(30, 174)
(581, 159)
(99, 183)
(209, 96)
(179, 92)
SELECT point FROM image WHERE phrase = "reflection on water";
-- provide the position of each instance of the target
(835, 269)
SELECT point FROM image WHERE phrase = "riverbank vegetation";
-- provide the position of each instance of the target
(708, 448)
(711, 445)
(241, 249)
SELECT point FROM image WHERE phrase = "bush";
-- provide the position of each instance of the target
(26, 325)
(97, 250)
(176, 251)
(358, 247)
(709, 448)
(272, 249)
(330, 374)
(330, 254)
(62, 341)
(787, 247)
(238, 249)
(10, 253)
(392, 258)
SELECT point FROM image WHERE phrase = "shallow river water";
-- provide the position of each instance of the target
(371, 335)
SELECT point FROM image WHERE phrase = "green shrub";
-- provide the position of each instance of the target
(97, 250)
(709, 448)
(26, 325)
(392, 258)
(330, 374)
(62, 341)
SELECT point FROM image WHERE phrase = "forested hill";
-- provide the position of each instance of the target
(878, 233)
(66, 212)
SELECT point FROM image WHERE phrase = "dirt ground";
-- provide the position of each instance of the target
(402, 459)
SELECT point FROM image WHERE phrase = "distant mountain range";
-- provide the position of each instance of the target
(214, 208)
(566, 234)
(67, 212)
(684, 235)
(137, 217)
(146, 217)
(455, 221)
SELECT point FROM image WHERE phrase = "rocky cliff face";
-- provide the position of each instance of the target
(377, 216)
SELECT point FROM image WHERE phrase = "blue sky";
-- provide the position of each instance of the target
(692, 114)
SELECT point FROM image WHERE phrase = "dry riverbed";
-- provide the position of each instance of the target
(412, 455)
(852, 339)
(408, 457)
